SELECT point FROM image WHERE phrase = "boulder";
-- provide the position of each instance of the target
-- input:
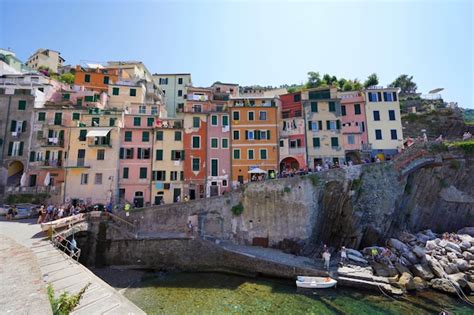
(418, 251)
(467, 230)
(459, 278)
(422, 238)
(431, 245)
(444, 285)
(354, 252)
(406, 281)
(451, 268)
(420, 284)
(368, 250)
(443, 243)
(422, 271)
(461, 264)
(401, 268)
(452, 257)
(398, 245)
(384, 270)
(465, 245)
(468, 256)
(453, 246)
(429, 233)
(357, 259)
(435, 267)
(471, 250)
(410, 257)
(406, 237)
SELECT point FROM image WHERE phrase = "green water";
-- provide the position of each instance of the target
(211, 293)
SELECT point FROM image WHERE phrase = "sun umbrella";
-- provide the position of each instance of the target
(47, 179)
(23, 180)
(257, 170)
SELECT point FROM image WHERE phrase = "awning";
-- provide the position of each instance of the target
(257, 170)
(100, 132)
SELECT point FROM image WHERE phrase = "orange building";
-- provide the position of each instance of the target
(254, 137)
(97, 79)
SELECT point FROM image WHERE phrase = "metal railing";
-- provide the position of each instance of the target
(58, 240)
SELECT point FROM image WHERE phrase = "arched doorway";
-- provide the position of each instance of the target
(15, 170)
(353, 156)
(289, 163)
(138, 201)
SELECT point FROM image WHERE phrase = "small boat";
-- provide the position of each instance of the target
(315, 282)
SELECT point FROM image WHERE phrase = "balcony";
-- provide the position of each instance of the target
(48, 164)
(169, 123)
(300, 150)
(52, 142)
(79, 163)
(99, 142)
(221, 96)
(197, 97)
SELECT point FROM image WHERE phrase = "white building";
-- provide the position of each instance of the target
(174, 88)
(45, 58)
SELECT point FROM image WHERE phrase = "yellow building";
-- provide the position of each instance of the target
(168, 160)
(93, 158)
(384, 124)
(322, 111)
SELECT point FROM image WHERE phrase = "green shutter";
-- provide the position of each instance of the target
(46, 156)
(20, 150)
(310, 125)
(150, 121)
(10, 148)
(122, 153)
(314, 107)
(196, 122)
(13, 126)
(338, 124)
(23, 126)
(159, 135)
(334, 142)
(125, 172)
(145, 136)
(115, 91)
(177, 136)
(225, 120)
(133, 92)
(32, 156)
(106, 80)
(76, 116)
(22, 105)
(82, 134)
(41, 116)
(268, 135)
(159, 155)
(316, 143)
(137, 121)
(89, 98)
(214, 120)
(320, 125)
(328, 125)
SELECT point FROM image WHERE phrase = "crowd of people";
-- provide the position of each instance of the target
(55, 212)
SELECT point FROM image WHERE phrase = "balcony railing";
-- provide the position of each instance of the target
(169, 124)
(48, 163)
(52, 142)
(200, 98)
(99, 142)
(79, 163)
(297, 150)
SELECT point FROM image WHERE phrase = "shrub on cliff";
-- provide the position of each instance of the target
(466, 146)
(237, 209)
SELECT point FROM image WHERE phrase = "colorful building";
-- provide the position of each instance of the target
(174, 87)
(254, 137)
(46, 58)
(354, 126)
(292, 133)
(168, 161)
(322, 112)
(96, 79)
(384, 123)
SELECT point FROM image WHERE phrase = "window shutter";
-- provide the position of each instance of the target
(182, 155)
(10, 148)
(320, 124)
(20, 150)
(257, 134)
(133, 152)
(60, 155)
(13, 126)
(121, 155)
(246, 134)
(23, 126)
(61, 134)
(338, 124)
(46, 156)
(310, 125)
(32, 156)
(50, 133)
(328, 125)
(268, 134)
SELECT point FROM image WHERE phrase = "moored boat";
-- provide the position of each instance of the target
(315, 282)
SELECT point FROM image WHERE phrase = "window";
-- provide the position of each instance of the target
(343, 110)
(250, 154)
(282, 143)
(159, 135)
(177, 155)
(143, 153)
(195, 164)
(125, 173)
(145, 136)
(332, 106)
(180, 80)
(106, 80)
(129, 153)
(296, 97)
(236, 135)
(319, 95)
(142, 109)
(84, 178)
(214, 120)
(197, 108)
(251, 116)
(388, 96)
(331, 125)
(225, 143)
(137, 121)
(42, 116)
(262, 115)
(214, 167)
(133, 92)
(159, 175)
(214, 143)
(378, 134)
(357, 109)
(393, 134)
(263, 134)
(143, 172)
(76, 116)
(334, 142)
(115, 91)
(177, 136)
(196, 142)
(82, 134)
(159, 155)
(225, 120)
(128, 136)
(263, 154)
(180, 92)
(376, 115)
(100, 154)
(316, 143)
(249, 134)
(150, 121)
(88, 98)
(21, 105)
(196, 122)
(314, 107)
(98, 179)
(154, 110)
(87, 78)
(95, 121)
(391, 114)
(394, 96)
(236, 115)
(236, 154)
(173, 175)
(163, 81)
(372, 97)
(350, 139)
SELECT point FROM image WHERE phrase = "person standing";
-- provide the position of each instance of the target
(343, 255)
(190, 228)
(327, 258)
(127, 209)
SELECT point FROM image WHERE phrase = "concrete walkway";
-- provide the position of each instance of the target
(61, 271)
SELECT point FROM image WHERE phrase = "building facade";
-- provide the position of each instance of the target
(46, 58)
(384, 122)
(292, 133)
(96, 79)
(174, 89)
(322, 112)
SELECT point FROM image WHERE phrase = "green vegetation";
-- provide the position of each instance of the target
(438, 147)
(466, 146)
(372, 79)
(406, 85)
(237, 209)
(65, 303)
(27, 198)
(287, 189)
(455, 164)
(468, 115)
(314, 179)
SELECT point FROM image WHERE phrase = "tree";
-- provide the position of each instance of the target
(314, 80)
(348, 86)
(341, 83)
(371, 80)
(67, 78)
(405, 83)
(356, 85)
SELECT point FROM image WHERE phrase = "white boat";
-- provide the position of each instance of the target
(315, 282)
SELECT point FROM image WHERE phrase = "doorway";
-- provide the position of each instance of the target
(176, 193)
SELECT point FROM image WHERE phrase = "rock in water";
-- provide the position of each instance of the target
(467, 230)
(420, 284)
(436, 267)
(406, 281)
(422, 271)
(459, 278)
(444, 285)
(384, 270)
(401, 268)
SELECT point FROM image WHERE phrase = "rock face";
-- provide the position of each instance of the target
(422, 271)
(406, 281)
(443, 285)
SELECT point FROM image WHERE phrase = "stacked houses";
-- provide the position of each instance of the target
(120, 134)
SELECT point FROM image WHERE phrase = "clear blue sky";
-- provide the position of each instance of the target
(258, 42)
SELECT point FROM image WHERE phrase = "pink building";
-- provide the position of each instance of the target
(354, 125)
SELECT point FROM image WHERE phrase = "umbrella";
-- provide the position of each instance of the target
(47, 179)
(257, 170)
(23, 180)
